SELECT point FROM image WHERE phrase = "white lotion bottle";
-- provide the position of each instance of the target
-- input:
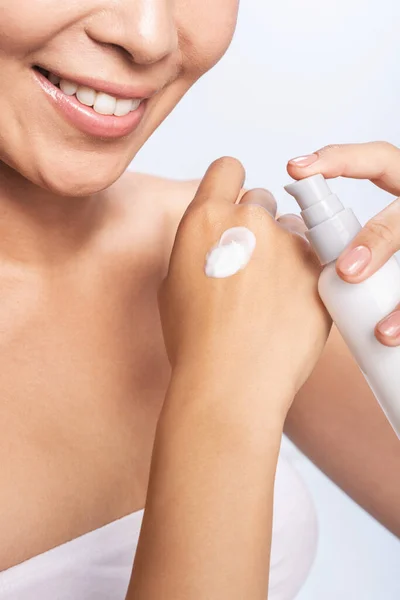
(355, 308)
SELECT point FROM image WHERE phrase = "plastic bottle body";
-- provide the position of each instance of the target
(356, 309)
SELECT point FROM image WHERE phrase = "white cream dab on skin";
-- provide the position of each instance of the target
(232, 254)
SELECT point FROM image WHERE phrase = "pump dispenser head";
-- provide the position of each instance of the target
(331, 226)
(310, 191)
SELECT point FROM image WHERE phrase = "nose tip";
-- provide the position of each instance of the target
(145, 30)
(156, 38)
(148, 53)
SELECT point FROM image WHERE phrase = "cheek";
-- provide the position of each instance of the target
(206, 27)
(26, 25)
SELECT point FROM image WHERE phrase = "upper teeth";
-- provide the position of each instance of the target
(102, 103)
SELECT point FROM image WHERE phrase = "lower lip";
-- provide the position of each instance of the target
(85, 118)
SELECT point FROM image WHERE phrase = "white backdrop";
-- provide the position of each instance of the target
(300, 75)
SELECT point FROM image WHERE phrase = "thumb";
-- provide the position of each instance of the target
(378, 241)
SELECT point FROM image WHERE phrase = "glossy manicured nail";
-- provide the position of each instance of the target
(390, 327)
(304, 161)
(354, 261)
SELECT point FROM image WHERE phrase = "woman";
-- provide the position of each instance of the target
(85, 373)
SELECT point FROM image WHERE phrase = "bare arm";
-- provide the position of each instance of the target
(207, 525)
(337, 423)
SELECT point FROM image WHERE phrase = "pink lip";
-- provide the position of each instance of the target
(85, 118)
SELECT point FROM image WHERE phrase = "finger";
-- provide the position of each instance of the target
(223, 181)
(262, 198)
(294, 224)
(377, 161)
(378, 241)
(388, 330)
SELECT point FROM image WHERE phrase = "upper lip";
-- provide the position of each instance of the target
(118, 90)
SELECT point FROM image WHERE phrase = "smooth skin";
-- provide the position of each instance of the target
(225, 409)
(84, 252)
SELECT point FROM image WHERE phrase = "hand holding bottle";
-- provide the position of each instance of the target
(379, 240)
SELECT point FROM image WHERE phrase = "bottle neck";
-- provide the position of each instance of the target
(331, 237)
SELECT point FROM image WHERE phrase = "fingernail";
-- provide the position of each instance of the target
(390, 327)
(296, 221)
(355, 261)
(304, 161)
(270, 203)
(298, 218)
(266, 200)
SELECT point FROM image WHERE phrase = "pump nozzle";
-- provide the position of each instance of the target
(331, 226)
(310, 191)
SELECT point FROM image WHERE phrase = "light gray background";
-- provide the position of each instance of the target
(302, 74)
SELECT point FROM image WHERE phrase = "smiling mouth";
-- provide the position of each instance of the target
(100, 102)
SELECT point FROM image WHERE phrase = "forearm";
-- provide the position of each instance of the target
(207, 525)
(337, 422)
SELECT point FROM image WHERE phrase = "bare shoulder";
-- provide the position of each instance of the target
(144, 214)
(167, 197)
(158, 198)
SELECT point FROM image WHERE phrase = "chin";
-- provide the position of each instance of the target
(79, 178)
(76, 187)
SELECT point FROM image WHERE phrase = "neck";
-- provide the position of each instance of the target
(39, 227)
